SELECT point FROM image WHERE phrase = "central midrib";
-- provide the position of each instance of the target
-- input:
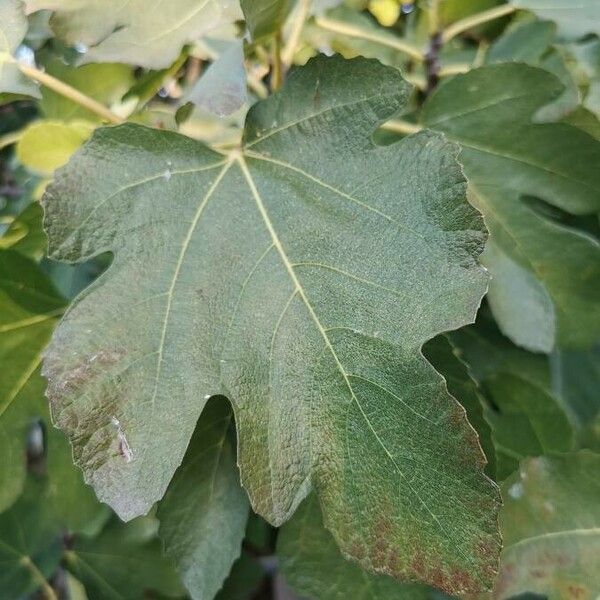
(300, 290)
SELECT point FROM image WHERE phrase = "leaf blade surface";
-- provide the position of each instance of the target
(276, 281)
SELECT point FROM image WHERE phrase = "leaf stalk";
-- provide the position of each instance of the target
(69, 92)
(277, 70)
(357, 32)
(298, 20)
(474, 20)
(45, 587)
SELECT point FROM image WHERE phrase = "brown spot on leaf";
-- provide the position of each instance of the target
(577, 592)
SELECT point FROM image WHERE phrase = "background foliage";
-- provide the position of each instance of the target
(515, 85)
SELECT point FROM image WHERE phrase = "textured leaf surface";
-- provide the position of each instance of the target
(551, 528)
(134, 32)
(574, 19)
(299, 277)
(546, 276)
(204, 512)
(312, 564)
(29, 307)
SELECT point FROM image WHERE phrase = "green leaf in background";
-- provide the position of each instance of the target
(454, 10)
(350, 46)
(245, 577)
(13, 27)
(583, 58)
(133, 32)
(26, 234)
(30, 543)
(299, 277)
(204, 512)
(29, 307)
(575, 18)
(551, 528)
(46, 145)
(576, 380)
(444, 357)
(312, 564)
(526, 421)
(222, 89)
(265, 17)
(526, 417)
(531, 42)
(545, 276)
(106, 83)
(124, 562)
(524, 42)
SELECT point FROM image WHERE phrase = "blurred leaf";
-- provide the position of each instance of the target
(576, 380)
(526, 421)
(585, 120)
(526, 418)
(574, 19)
(442, 355)
(351, 46)
(526, 42)
(545, 277)
(531, 42)
(454, 10)
(150, 83)
(245, 577)
(104, 82)
(585, 64)
(551, 528)
(204, 512)
(30, 542)
(312, 564)
(132, 32)
(222, 89)
(26, 234)
(118, 566)
(29, 307)
(264, 18)
(567, 102)
(47, 145)
(13, 26)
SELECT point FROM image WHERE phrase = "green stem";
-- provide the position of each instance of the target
(39, 578)
(69, 92)
(474, 20)
(434, 17)
(10, 138)
(357, 32)
(277, 71)
(299, 18)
